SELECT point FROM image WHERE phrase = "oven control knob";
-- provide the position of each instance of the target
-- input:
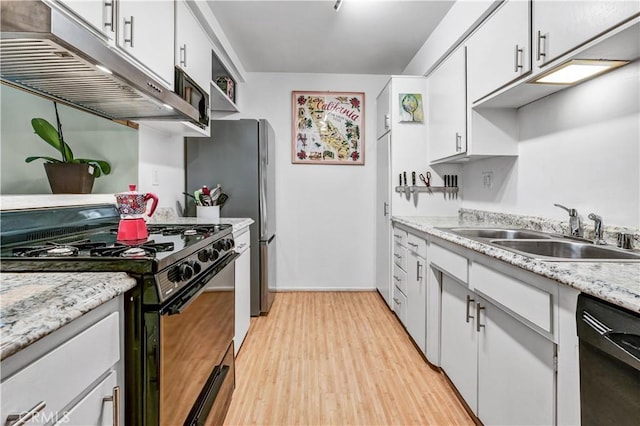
(228, 244)
(204, 255)
(196, 267)
(219, 246)
(215, 254)
(185, 271)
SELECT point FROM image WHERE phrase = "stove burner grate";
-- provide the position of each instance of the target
(52, 249)
(147, 249)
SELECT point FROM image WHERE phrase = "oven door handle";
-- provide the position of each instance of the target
(183, 301)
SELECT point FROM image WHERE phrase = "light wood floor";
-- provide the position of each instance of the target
(332, 358)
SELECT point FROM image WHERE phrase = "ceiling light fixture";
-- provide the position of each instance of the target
(338, 5)
(578, 70)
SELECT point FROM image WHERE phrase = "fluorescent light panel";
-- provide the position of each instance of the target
(578, 70)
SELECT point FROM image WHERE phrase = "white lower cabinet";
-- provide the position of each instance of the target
(515, 371)
(503, 369)
(68, 379)
(243, 288)
(458, 339)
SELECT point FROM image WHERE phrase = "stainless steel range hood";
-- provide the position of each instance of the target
(45, 51)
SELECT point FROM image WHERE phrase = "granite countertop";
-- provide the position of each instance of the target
(615, 282)
(35, 304)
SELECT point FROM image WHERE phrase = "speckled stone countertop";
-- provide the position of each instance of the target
(615, 282)
(33, 305)
(168, 215)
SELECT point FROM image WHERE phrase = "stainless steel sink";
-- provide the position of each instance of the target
(567, 250)
(496, 233)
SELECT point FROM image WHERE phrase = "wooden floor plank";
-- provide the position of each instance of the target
(336, 358)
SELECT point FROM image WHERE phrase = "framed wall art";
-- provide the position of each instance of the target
(411, 107)
(327, 128)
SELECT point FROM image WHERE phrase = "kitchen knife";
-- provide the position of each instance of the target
(404, 175)
(413, 178)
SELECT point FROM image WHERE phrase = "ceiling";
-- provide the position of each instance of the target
(364, 37)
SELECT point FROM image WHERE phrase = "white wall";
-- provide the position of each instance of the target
(325, 213)
(88, 135)
(161, 166)
(579, 147)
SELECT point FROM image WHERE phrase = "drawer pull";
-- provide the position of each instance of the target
(413, 244)
(469, 302)
(396, 300)
(396, 278)
(115, 398)
(23, 418)
(478, 309)
(397, 256)
(397, 236)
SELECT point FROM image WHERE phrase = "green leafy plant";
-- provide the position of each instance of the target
(54, 137)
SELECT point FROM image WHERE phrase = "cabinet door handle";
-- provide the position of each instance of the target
(386, 121)
(22, 418)
(109, 24)
(385, 208)
(183, 55)
(418, 268)
(539, 53)
(115, 398)
(130, 24)
(458, 142)
(478, 309)
(519, 56)
(469, 302)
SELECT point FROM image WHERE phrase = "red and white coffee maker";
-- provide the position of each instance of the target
(132, 207)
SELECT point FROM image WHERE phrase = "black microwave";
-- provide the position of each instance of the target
(188, 90)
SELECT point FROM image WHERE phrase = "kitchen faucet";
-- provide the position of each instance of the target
(597, 230)
(575, 221)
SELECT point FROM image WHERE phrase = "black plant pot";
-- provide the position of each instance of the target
(70, 178)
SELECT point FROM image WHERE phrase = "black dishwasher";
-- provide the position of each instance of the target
(609, 363)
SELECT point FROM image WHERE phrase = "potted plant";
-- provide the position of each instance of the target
(67, 175)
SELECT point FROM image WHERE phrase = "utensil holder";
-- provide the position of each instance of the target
(210, 214)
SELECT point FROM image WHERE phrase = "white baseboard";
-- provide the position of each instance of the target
(292, 288)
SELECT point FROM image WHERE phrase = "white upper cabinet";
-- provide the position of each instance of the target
(100, 15)
(146, 33)
(383, 112)
(192, 48)
(448, 108)
(499, 51)
(561, 26)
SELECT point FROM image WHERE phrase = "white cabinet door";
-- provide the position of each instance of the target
(416, 299)
(458, 339)
(383, 112)
(383, 219)
(561, 26)
(98, 14)
(192, 49)
(447, 108)
(146, 32)
(499, 52)
(243, 300)
(515, 371)
(400, 305)
(93, 409)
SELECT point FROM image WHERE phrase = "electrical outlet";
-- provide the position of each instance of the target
(155, 181)
(487, 179)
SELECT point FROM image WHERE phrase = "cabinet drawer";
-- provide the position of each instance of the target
(64, 373)
(400, 256)
(449, 262)
(242, 240)
(400, 279)
(417, 245)
(400, 305)
(92, 409)
(400, 237)
(528, 301)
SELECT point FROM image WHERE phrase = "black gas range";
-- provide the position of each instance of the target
(83, 239)
(179, 319)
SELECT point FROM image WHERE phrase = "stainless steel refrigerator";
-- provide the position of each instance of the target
(240, 156)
